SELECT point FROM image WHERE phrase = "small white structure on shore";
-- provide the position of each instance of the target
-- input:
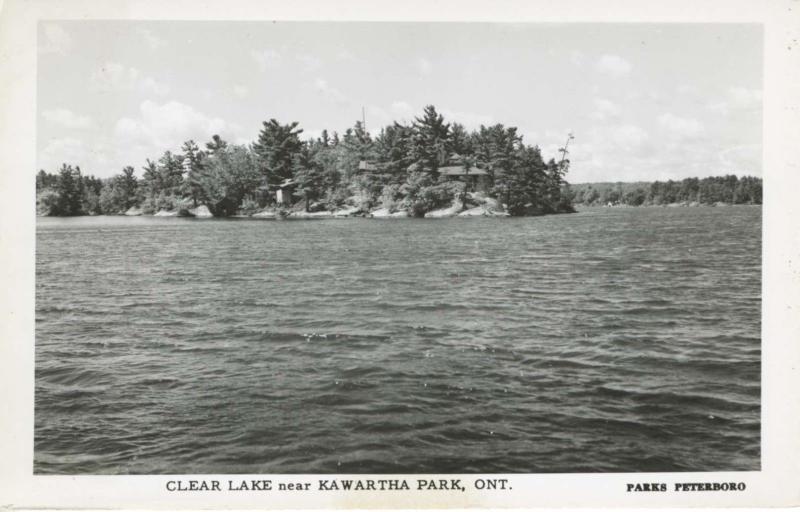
(363, 165)
(283, 193)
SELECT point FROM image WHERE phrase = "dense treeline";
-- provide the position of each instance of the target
(329, 172)
(68, 192)
(716, 189)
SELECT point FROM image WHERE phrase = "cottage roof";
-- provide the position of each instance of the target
(285, 183)
(458, 170)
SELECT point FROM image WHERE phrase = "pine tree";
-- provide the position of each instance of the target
(523, 185)
(276, 148)
(70, 190)
(495, 147)
(130, 187)
(171, 173)
(194, 168)
(307, 174)
(216, 144)
(393, 147)
(459, 140)
(151, 180)
(431, 141)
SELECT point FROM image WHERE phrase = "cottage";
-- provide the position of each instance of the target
(475, 177)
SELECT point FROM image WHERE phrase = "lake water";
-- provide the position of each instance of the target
(608, 340)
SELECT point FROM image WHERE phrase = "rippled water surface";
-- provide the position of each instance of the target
(608, 340)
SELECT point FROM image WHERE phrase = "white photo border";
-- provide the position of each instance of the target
(776, 484)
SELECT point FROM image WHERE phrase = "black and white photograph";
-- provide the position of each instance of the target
(353, 259)
(397, 247)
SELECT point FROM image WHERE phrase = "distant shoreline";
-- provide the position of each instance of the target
(684, 204)
(709, 191)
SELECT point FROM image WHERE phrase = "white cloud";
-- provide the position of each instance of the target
(159, 127)
(605, 109)
(240, 91)
(329, 91)
(346, 56)
(309, 62)
(113, 77)
(266, 59)
(577, 57)
(56, 39)
(738, 99)
(628, 137)
(680, 126)
(613, 65)
(92, 159)
(744, 98)
(620, 146)
(151, 40)
(402, 110)
(550, 141)
(531, 137)
(311, 133)
(624, 151)
(424, 66)
(67, 150)
(151, 85)
(66, 118)
(741, 159)
(470, 120)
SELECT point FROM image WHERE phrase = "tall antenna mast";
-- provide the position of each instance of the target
(363, 119)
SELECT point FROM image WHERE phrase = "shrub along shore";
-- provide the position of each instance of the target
(428, 168)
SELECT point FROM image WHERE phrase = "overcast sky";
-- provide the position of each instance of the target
(644, 102)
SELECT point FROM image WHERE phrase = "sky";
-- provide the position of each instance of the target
(643, 101)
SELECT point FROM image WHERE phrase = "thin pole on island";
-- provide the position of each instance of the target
(564, 150)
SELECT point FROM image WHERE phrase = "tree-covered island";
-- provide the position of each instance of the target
(426, 168)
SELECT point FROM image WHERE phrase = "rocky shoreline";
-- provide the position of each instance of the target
(474, 205)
